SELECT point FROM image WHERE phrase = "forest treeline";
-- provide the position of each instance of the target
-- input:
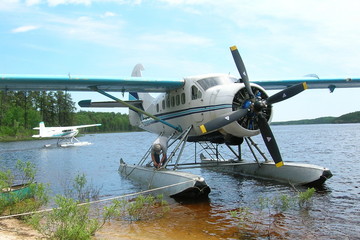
(353, 117)
(21, 111)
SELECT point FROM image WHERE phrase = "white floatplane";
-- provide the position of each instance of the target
(291, 173)
(211, 108)
(65, 135)
(168, 179)
(175, 184)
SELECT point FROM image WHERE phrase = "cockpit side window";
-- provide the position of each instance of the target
(207, 83)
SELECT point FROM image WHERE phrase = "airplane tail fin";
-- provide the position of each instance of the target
(41, 129)
(146, 98)
(136, 73)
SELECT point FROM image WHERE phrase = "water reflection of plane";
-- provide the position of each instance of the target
(65, 135)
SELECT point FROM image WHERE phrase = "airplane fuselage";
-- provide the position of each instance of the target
(201, 99)
(58, 133)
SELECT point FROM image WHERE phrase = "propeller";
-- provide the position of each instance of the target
(269, 140)
(242, 70)
(255, 106)
(223, 121)
(286, 93)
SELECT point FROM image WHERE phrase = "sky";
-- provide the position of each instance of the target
(277, 39)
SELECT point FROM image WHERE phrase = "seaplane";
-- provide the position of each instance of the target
(209, 110)
(65, 135)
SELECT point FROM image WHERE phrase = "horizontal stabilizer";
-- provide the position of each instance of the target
(108, 104)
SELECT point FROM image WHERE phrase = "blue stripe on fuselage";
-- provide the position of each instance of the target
(185, 112)
(63, 134)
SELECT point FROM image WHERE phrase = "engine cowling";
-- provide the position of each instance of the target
(247, 125)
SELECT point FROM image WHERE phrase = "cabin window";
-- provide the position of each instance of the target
(167, 100)
(177, 100)
(163, 104)
(183, 100)
(172, 101)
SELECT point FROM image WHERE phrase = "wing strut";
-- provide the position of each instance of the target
(178, 128)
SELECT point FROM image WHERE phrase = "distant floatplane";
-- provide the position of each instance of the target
(65, 135)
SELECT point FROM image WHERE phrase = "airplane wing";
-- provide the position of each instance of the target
(141, 84)
(26, 82)
(312, 83)
(85, 126)
(69, 127)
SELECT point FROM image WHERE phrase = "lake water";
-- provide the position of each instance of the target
(333, 214)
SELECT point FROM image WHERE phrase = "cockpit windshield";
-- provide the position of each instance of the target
(209, 82)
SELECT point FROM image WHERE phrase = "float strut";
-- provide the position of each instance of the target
(178, 128)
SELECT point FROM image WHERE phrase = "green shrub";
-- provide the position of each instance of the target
(249, 223)
(304, 198)
(67, 221)
(141, 208)
(30, 200)
(81, 190)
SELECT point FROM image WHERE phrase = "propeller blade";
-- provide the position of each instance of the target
(242, 70)
(287, 93)
(270, 141)
(222, 121)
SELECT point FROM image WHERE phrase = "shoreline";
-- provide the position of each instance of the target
(180, 223)
(14, 229)
(4, 139)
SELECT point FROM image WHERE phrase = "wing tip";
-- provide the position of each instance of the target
(305, 85)
(279, 164)
(233, 48)
(203, 129)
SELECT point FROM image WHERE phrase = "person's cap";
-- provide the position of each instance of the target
(157, 148)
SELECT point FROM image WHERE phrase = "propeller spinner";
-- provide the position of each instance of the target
(254, 108)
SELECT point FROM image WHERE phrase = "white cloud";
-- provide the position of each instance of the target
(304, 31)
(85, 28)
(24, 29)
(9, 5)
(84, 19)
(190, 2)
(32, 2)
(323, 33)
(54, 3)
(173, 37)
(109, 14)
